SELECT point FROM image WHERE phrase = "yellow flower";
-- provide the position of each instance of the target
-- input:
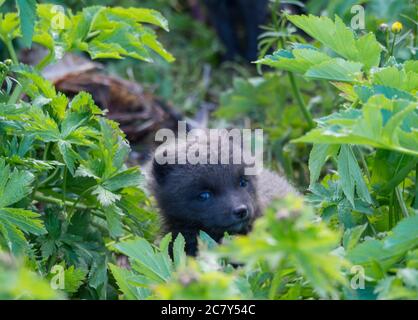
(397, 27)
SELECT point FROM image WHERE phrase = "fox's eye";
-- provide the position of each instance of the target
(243, 182)
(203, 196)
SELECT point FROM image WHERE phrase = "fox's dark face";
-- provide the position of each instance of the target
(214, 198)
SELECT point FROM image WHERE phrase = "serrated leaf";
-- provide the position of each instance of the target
(297, 60)
(25, 220)
(9, 26)
(69, 155)
(27, 15)
(117, 32)
(14, 185)
(73, 279)
(335, 70)
(404, 236)
(114, 220)
(351, 177)
(14, 222)
(128, 178)
(339, 38)
(317, 158)
(179, 256)
(381, 123)
(154, 265)
(352, 236)
(105, 197)
(123, 278)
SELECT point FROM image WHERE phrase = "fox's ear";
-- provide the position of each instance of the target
(160, 171)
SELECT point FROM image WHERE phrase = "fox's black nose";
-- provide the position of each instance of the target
(240, 212)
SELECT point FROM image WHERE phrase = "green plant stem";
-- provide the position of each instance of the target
(392, 46)
(45, 61)
(45, 155)
(275, 283)
(401, 202)
(398, 177)
(43, 198)
(391, 214)
(298, 96)
(15, 94)
(18, 88)
(12, 51)
(416, 188)
(48, 199)
(124, 238)
(64, 189)
(302, 106)
(73, 207)
(49, 178)
(363, 162)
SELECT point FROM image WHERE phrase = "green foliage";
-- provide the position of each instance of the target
(65, 190)
(287, 249)
(289, 241)
(69, 202)
(14, 222)
(20, 282)
(196, 77)
(372, 141)
(27, 16)
(367, 205)
(100, 31)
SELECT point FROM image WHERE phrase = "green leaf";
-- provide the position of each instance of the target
(128, 178)
(124, 279)
(165, 243)
(381, 123)
(114, 220)
(15, 239)
(25, 220)
(14, 222)
(141, 15)
(320, 153)
(297, 60)
(400, 79)
(27, 15)
(339, 38)
(372, 255)
(14, 185)
(9, 26)
(69, 155)
(351, 178)
(73, 279)
(335, 70)
(179, 255)
(404, 236)
(352, 236)
(105, 197)
(117, 32)
(154, 265)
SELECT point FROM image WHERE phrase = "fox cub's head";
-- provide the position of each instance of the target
(215, 198)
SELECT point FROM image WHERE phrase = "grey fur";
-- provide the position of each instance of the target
(176, 188)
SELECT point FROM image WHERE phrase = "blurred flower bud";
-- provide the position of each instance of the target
(397, 27)
(187, 278)
(383, 27)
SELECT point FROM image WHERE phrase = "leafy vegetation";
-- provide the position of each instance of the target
(64, 187)
(340, 114)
